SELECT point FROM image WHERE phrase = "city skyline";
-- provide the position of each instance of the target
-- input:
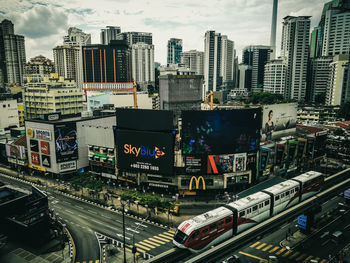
(164, 19)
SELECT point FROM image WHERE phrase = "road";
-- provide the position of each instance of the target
(318, 247)
(83, 220)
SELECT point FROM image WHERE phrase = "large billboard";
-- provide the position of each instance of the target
(221, 132)
(151, 152)
(278, 120)
(66, 142)
(145, 120)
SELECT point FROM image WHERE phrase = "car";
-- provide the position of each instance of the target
(232, 259)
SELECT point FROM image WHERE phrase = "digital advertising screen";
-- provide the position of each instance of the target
(221, 132)
(66, 142)
(151, 152)
(144, 120)
(34, 145)
(219, 164)
(278, 120)
(195, 164)
(239, 162)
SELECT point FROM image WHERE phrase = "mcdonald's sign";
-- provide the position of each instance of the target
(197, 180)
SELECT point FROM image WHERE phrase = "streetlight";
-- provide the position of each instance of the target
(134, 249)
(123, 212)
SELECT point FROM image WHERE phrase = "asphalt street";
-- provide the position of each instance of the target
(83, 220)
(319, 247)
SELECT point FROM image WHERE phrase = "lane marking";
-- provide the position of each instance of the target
(255, 244)
(308, 258)
(140, 224)
(79, 207)
(132, 230)
(323, 261)
(281, 250)
(171, 231)
(147, 245)
(152, 243)
(166, 237)
(287, 253)
(267, 248)
(262, 245)
(301, 257)
(109, 217)
(168, 234)
(143, 247)
(139, 249)
(69, 211)
(130, 251)
(162, 239)
(274, 249)
(155, 240)
(92, 211)
(83, 216)
(294, 255)
(252, 256)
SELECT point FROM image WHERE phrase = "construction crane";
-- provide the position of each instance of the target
(206, 101)
(135, 95)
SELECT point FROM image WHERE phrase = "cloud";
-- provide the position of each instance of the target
(42, 21)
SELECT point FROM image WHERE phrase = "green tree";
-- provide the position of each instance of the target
(344, 111)
(339, 132)
(265, 98)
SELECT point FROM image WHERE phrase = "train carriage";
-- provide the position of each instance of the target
(283, 195)
(311, 183)
(251, 210)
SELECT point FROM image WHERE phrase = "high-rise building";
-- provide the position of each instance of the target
(338, 85)
(66, 61)
(219, 61)
(295, 52)
(273, 29)
(77, 38)
(275, 76)
(174, 49)
(107, 67)
(336, 36)
(109, 33)
(52, 94)
(256, 57)
(244, 77)
(319, 74)
(9, 113)
(12, 55)
(316, 42)
(135, 37)
(193, 60)
(178, 92)
(142, 56)
(39, 65)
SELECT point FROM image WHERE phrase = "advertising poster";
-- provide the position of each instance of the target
(46, 160)
(280, 153)
(301, 148)
(35, 158)
(44, 147)
(239, 162)
(220, 132)
(278, 120)
(251, 161)
(220, 164)
(16, 151)
(264, 158)
(34, 145)
(195, 164)
(144, 120)
(151, 152)
(66, 142)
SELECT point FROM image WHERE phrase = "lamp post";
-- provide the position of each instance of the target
(134, 249)
(123, 212)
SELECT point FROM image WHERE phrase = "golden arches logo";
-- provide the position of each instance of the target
(197, 180)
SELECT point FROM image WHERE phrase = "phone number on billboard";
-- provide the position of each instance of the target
(144, 167)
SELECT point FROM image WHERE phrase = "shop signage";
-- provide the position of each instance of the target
(67, 166)
(35, 167)
(43, 134)
(197, 181)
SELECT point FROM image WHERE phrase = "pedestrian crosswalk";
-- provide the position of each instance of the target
(285, 253)
(88, 261)
(152, 242)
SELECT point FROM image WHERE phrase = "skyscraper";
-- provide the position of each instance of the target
(275, 76)
(193, 60)
(39, 65)
(336, 36)
(12, 55)
(109, 33)
(273, 29)
(338, 85)
(295, 52)
(244, 77)
(136, 37)
(77, 38)
(107, 67)
(256, 57)
(219, 61)
(174, 51)
(316, 42)
(142, 56)
(66, 60)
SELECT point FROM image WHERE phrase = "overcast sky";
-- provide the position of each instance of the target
(246, 22)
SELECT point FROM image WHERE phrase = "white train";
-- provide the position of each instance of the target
(215, 226)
